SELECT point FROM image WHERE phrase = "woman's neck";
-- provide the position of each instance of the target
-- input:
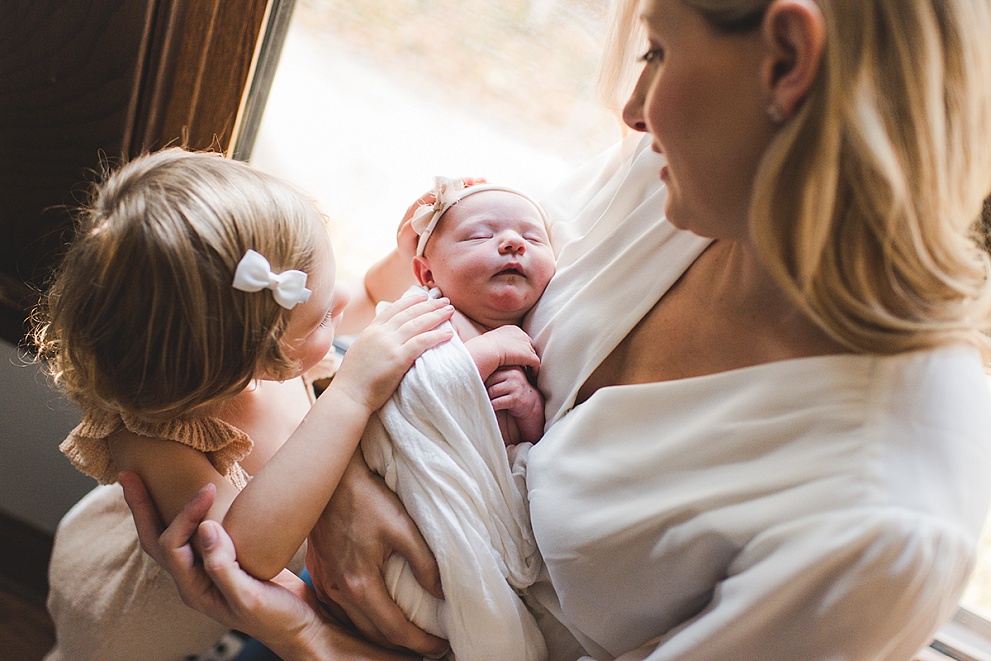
(743, 289)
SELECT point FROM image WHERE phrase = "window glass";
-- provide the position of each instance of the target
(374, 98)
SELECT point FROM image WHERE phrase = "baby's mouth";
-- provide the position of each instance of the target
(511, 270)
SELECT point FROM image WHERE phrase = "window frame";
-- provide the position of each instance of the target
(123, 78)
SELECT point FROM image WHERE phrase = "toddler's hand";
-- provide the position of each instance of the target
(380, 356)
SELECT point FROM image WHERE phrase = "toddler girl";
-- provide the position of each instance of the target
(196, 294)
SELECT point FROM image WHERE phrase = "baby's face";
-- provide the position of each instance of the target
(490, 255)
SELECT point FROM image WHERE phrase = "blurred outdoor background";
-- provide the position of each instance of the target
(372, 98)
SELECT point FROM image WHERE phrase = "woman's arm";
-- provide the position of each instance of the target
(283, 613)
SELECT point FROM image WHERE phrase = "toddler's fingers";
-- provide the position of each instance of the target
(402, 304)
(416, 315)
(420, 342)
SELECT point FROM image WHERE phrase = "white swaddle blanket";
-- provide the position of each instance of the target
(437, 444)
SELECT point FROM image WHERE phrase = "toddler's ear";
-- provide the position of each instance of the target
(421, 269)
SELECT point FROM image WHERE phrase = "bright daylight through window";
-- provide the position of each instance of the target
(372, 99)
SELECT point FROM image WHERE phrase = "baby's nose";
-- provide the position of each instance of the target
(513, 243)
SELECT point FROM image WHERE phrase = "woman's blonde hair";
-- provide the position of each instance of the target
(867, 203)
(141, 317)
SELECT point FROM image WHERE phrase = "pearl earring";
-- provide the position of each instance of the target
(775, 113)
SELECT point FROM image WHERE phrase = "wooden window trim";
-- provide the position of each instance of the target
(197, 76)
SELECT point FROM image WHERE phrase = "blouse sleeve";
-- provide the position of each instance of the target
(865, 585)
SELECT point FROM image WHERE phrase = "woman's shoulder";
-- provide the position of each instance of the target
(930, 426)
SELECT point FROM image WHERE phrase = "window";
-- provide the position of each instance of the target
(372, 99)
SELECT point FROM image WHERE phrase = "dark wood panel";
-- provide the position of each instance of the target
(69, 82)
(83, 81)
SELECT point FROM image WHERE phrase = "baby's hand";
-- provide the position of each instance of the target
(381, 355)
(501, 347)
(509, 390)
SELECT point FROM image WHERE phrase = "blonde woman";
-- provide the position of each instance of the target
(778, 445)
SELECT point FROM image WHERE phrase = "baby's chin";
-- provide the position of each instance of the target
(500, 315)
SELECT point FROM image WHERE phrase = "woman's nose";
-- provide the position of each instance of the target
(633, 110)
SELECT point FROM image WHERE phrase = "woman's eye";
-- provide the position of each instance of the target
(654, 55)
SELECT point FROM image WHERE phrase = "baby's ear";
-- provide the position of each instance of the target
(421, 269)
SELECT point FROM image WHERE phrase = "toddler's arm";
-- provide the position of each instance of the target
(271, 517)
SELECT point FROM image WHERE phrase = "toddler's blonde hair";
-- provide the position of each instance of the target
(141, 316)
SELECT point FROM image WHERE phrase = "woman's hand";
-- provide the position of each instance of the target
(363, 525)
(282, 613)
(381, 355)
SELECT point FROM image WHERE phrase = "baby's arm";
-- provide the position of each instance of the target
(501, 356)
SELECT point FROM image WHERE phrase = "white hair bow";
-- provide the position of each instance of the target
(254, 273)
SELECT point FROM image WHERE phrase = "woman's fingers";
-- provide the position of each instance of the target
(146, 517)
(376, 615)
(157, 541)
(183, 527)
(220, 563)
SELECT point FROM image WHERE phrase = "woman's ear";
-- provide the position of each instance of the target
(421, 269)
(795, 33)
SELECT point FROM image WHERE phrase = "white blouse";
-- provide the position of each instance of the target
(816, 508)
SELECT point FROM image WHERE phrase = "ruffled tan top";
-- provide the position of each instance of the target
(223, 444)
